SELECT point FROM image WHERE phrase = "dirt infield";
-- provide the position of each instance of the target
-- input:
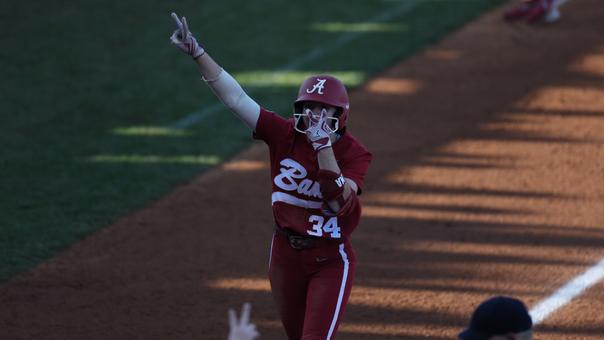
(488, 178)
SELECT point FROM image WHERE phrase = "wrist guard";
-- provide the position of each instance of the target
(332, 186)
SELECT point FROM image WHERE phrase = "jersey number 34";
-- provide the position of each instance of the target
(319, 226)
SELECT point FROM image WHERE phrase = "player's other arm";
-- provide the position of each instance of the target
(338, 192)
(332, 178)
(221, 82)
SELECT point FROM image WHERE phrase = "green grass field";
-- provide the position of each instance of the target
(93, 96)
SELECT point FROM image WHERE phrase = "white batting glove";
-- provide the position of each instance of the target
(184, 40)
(242, 329)
(318, 133)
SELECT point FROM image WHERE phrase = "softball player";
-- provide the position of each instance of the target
(317, 171)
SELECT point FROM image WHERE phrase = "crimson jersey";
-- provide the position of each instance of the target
(296, 198)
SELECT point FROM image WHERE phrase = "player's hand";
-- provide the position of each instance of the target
(184, 40)
(242, 329)
(318, 132)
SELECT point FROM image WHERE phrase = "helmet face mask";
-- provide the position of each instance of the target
(302, 122)
(322, 89)
(332, 124)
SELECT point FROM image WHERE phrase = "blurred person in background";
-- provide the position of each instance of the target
(499, 318)
(534, 11)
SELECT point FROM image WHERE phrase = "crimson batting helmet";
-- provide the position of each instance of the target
(327, 90)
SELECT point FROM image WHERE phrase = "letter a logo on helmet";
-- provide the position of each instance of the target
(318, 86)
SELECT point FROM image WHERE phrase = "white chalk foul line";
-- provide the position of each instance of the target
(567, 292)
(198, 116)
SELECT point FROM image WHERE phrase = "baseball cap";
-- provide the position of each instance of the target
(498, 315)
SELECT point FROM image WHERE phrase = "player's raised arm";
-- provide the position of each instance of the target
(223, 84)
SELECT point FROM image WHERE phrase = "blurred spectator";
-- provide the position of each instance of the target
(499, 318)
(534, 11)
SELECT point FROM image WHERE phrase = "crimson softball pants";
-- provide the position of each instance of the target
(311, 287)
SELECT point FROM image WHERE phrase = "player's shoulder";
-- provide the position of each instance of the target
(273, 116)
(350, 144)
(272, 127)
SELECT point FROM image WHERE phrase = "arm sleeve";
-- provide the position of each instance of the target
(228, 90)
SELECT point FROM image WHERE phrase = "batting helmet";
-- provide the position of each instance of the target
(327, 90)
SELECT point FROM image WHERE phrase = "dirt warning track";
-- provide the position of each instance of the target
(488, 178)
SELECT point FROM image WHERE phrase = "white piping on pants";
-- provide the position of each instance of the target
(342, 290)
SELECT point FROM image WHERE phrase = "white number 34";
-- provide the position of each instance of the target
(318, 227)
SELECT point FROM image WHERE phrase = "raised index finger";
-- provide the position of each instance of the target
(177, 20)
(323, 114)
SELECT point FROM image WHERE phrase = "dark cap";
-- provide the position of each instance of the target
(499, 315)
